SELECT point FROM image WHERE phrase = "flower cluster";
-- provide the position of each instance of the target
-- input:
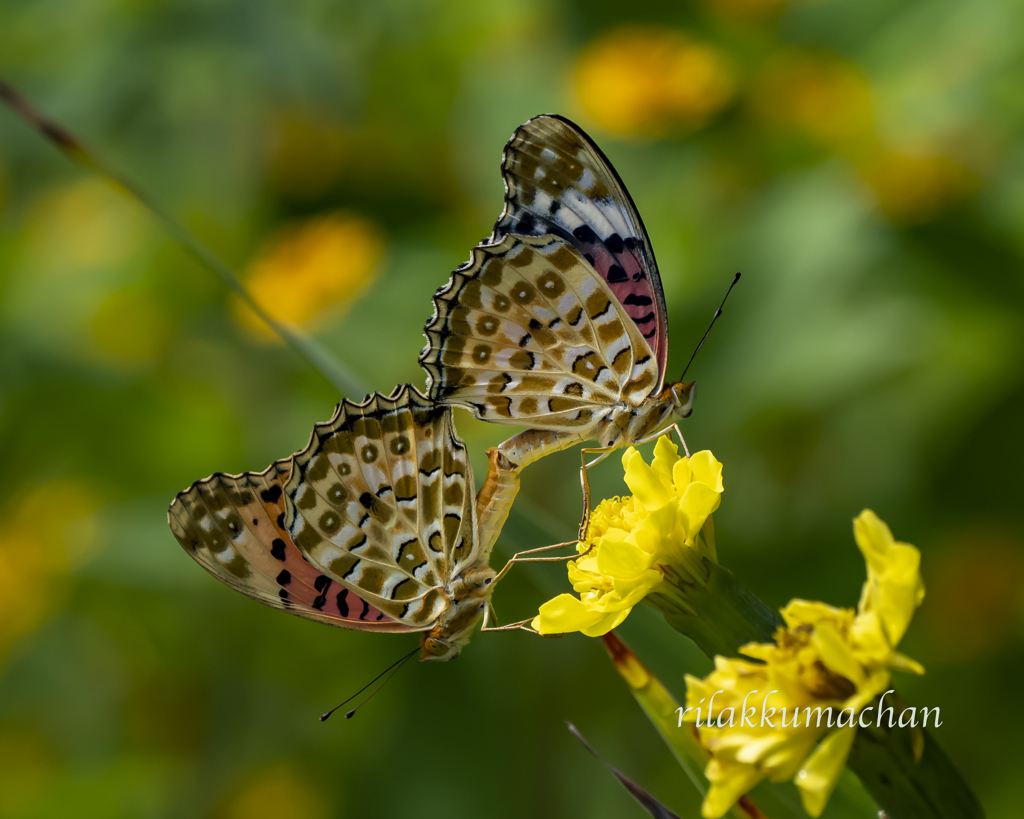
(822, 658)
(641, 544)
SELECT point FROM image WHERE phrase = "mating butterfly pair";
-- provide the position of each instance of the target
(557, 323)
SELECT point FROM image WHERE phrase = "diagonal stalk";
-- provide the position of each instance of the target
(338, 375)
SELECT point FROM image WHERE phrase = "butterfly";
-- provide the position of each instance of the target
(372, 526)
(558, 321)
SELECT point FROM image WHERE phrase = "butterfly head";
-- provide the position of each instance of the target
(470, 593)
(682, 397)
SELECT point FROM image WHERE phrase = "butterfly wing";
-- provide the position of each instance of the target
(526, 333)
(382, 499)
(557, 181)
(233, 526)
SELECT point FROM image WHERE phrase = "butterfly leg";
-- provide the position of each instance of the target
(666, 431)
(603, 452)
(520, 626)
(491, 613)
(518, 557)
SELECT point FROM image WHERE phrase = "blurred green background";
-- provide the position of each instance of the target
(860, 162)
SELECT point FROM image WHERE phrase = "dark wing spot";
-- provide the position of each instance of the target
(283, 594)
(614, 243)
(284, 578)
(343, 602)
(633, 298)
(321, 583)
(585, 234)
(277, 549)
(365, 611)
(645, 319)
(616, 275)
(271, 495)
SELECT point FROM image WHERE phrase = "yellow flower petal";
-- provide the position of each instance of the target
(698, 501)
(836, 653)
(645, 484)
(666, 455)
(728, 785)
(655, 533)
(622, 560)
(901, 662)
(707, 470)
(563, 614)
(682, 475)
(605, 624)
(894, 589)
(820, 773)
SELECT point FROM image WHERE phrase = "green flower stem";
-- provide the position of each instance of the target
(718, 614)
(706, 603)
(660, 707)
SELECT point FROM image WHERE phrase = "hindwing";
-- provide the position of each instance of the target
(233, 526)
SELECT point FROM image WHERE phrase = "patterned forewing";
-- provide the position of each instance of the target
(528, 334)
(232, 525)
(368, 502)
(558, 181)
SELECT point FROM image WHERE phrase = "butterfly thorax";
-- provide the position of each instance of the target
(629, 424)
(470, 594)
(621, 425)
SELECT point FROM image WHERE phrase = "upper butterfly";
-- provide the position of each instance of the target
(372, 526)
(557, 322)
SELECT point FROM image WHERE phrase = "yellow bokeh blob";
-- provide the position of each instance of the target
(818, 95)
(47, 532)
(646, 81)
(914, 187)
(312, 270)
(277, 793)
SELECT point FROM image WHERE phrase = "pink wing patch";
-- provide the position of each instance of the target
(233, 525)
(557, 181)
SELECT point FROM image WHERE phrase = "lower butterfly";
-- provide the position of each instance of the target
(372, 526)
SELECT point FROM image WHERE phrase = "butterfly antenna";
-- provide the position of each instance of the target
(714, 318)
(72, 147)
(393, 668)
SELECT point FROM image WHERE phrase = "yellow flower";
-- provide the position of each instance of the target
(312, 269)
(634, 542)
(770, 718)
(645, 81)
